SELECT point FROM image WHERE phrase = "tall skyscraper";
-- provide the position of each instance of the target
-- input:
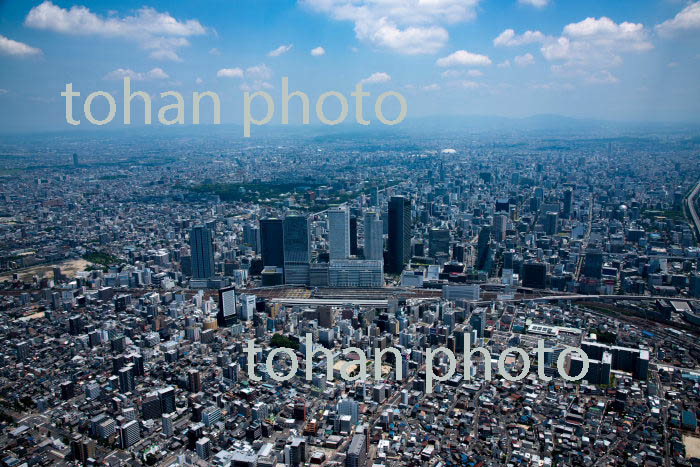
(399, 233)
(593, 264)
(534, 275)
(339, 233)
(272, 242)
(202, 252)
(374, 236)
(499, 227)
(483, 248)
(227, 307)
(297, 250)
(76, 161)
(568, 203)
(353, 236)
(439, 240)
(551, 221)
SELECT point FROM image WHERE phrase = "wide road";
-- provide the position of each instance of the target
(691, 202)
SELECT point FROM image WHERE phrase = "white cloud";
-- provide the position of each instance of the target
(255, 86)
(230, 73)
(318, 51)
(686, 20)
(535, 3)
(431, 87)
(470, 84)
(258, 72)
(255, 77)
(282, 49)
(475, 73)
(378, 77)
(504, 64)
(596, 43)
(509, 38)
(524, 60)
(407, 27)
(602, 77)
(199, 80)
(463, 58)
(16, 49)
(214, 51)
(158, 32)
(120, 73)
(588, 76)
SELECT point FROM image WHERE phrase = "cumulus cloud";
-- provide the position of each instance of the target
(535, 3)
(282, 49)
(524, 60)
(374, 78)
(255, 86)
(157, 32)
(410, 27)
(230, 73)
(120, 73)
(602, 77)
(318, 51)
(16, 49)
(509, 38)
(463, 58)
(258, 72)
(254, 77)
(686, 20)
(596, 43)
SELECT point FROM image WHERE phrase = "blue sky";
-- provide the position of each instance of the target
(619, 60)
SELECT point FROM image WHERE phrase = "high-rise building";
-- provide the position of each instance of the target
(349, 407)
(499, 227)
(353, 236)
(477, 321)
(297, 250)
(534, 275)
(357, 452)
(227, 307)
(272, 242)
(150, 407)
(194, 381)
(202, 252)
(126, 379)
(168, 427)
(551, 220)
(593, 264)
(568, 203)
(167, 399)
(374, 237)
(203, 448)
(251, 236)
(399, 233)
(439, 240)
(694, 285)
(483, 248)
(247, 308)
(339, 233)
(129, 434)
(76, 160)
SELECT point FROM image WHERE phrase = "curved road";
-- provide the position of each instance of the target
(690, 202)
